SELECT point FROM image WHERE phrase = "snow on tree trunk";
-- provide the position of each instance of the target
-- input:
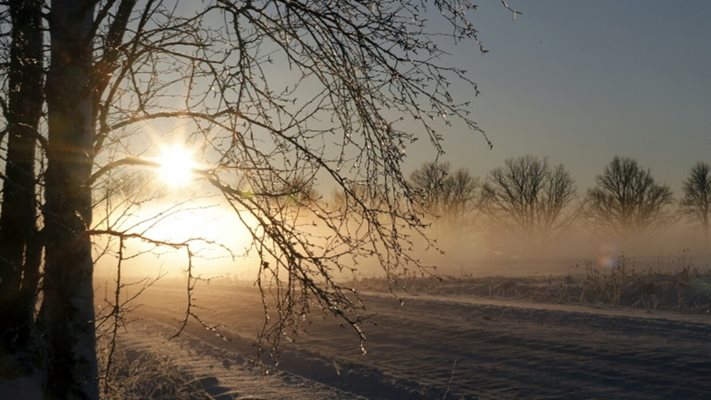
(68, 311)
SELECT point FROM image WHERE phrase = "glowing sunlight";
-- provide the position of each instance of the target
(176, 166)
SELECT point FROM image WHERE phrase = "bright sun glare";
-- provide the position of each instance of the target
(176, 166)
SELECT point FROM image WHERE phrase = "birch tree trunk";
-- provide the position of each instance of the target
(68, 310)
(19, 245)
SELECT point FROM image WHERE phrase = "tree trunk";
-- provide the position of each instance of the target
(19, 246)
(68, 309)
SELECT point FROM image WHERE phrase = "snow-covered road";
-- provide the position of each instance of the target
(439, 348)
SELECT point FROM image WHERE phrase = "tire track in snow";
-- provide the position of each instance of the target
(501, 351)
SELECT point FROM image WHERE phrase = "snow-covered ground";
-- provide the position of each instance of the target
(438, 348)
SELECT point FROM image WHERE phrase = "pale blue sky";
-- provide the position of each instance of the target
(582, 81)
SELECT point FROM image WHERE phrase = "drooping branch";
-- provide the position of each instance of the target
(360, 78)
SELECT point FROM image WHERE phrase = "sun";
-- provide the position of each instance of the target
(176, 166)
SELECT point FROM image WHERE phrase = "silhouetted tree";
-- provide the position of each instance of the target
(118, 66)
(20, 247)
(428, 182)
(626, 199)
(696, 200)
(452, 197)
(530, 198)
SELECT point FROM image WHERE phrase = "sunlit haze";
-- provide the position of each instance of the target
(348, 199)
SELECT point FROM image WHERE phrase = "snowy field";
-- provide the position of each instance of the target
(434, 347)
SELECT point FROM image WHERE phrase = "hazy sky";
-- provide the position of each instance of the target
(582, 81)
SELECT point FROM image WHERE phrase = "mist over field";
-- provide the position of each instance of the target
(475, 247)
(394, 199)
(482, 253)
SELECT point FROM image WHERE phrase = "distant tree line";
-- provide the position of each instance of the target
(528, 197)
(452, 196)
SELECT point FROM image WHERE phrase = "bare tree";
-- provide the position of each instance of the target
(451, 197)
(696, 200)
(121, 68)
(20, 248)
(530, 198)
(627, 199)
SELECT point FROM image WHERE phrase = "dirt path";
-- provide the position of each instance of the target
(432, 348)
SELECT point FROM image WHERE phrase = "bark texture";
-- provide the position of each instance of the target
(68, 312)
(19, 242)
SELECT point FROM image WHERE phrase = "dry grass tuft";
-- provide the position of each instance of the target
(137, 375)
(686, 289)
